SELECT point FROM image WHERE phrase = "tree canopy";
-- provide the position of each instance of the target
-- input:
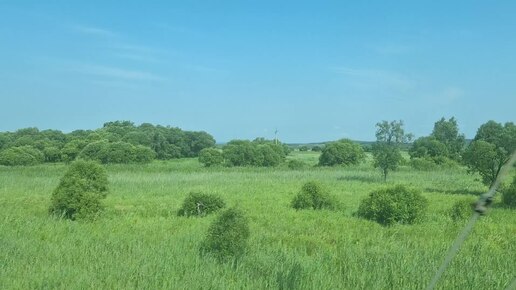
(118, 139)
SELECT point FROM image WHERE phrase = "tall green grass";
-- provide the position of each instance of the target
(140, 242)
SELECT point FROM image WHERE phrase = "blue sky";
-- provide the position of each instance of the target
(316, 71)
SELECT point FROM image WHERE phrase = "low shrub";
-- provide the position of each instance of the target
(211, 157)
(296, 164)
(424, 164)
(313, 196)
(79, 192)
(397, 204)
(461, 209)
(200, 204)
(23, 155)
(342, 152)
(509, 195)
(227, 236)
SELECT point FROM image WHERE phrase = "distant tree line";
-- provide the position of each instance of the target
(115, 142)
(444, 147)
(260, 152)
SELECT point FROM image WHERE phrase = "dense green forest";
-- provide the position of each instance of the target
(115, 142)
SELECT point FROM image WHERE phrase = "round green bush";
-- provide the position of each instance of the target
(342, 152)
(23, 155)
(227, 236)
(509, 195)
(80, 190)
(200, 204)
(313, 196)
(211, 157)
(296, 164)
(397, 204)
(462, 209)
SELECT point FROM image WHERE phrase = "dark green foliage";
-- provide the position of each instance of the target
(24, 155)
(427, 163)
(462, 209)
(447, 133)
(241, 153)
(316, 148)
(387, 157)
(304, 148)
(313, 196)
(143, 154)
(490, 150)
(227, 236)
(70, 151)
(296, 164)
(424, 164)
(80, 191)
(270, 155)
(342, 152)
(256, 153)
(509, 195)
(397, 204)
(164, 142)
(52, 154)
(200, 204)
(484, 158)
(211, 157)
(386, 151)
(116, 153)
(427, 147)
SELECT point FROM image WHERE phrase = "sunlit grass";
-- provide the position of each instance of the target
(139, 242)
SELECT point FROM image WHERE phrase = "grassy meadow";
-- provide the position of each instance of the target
(140, 243)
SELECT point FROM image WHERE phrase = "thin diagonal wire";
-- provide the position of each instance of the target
(467, 229)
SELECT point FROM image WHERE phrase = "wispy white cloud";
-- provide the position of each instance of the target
(376, 77)
(117, 73)
(94, 31)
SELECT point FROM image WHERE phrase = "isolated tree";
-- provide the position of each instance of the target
(80, 191)
(392, 132)
(387, 157)
(342, 152)
(210, 157)
(447, 132)
(490, 150)
(386, 151)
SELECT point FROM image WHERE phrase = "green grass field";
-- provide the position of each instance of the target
(139, 242)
